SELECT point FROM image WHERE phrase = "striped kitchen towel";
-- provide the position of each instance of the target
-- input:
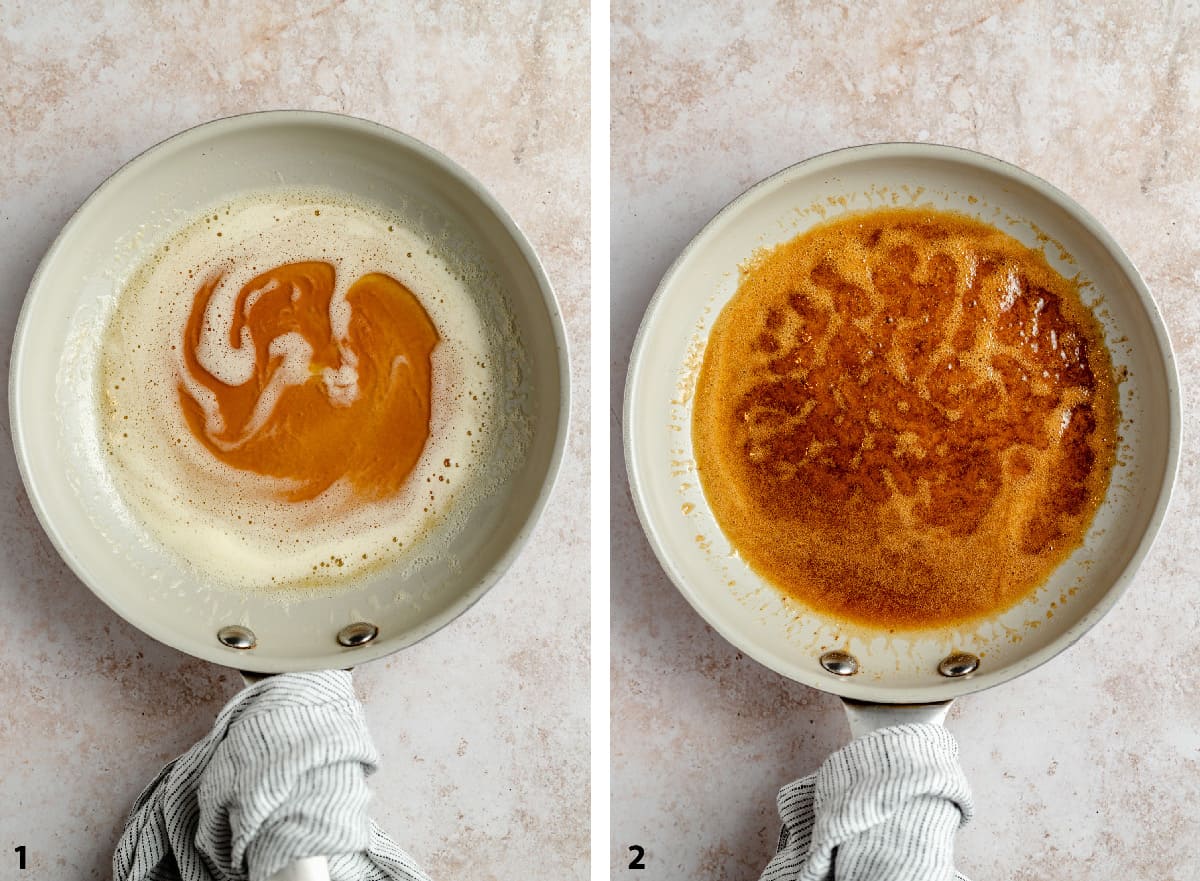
(281, 776)
(883, 808)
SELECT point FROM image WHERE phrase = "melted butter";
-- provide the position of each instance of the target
(225, 405)
(318, 405)
(905, 419)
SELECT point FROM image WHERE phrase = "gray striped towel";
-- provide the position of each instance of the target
(883, 808)
(281, 776)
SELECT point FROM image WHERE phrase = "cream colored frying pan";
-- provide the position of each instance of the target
(880, 672)
(54, 414)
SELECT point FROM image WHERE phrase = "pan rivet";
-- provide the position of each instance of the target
(354, 635)
(958, 664)
(840, 663)
(237, 637)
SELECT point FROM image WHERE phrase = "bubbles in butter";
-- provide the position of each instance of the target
(238, 527)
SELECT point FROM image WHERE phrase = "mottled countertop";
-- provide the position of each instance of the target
(1089, 767)
(483, 729)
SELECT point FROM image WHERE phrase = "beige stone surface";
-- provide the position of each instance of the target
(1089, 767)
(483, 729)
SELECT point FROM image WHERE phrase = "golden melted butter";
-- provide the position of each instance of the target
(320, 405)
(905, 418)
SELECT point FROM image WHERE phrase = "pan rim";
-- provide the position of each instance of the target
(387, 644)
(950, 688)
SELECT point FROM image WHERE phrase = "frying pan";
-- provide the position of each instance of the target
(54, 415)
(52, 394)
(887, 676)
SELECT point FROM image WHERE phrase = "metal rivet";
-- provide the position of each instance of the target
(237, 637)
(958, 664)
(840, 663)
(354, 635)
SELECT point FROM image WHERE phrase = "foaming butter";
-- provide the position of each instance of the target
(905, 418)
(296, 389)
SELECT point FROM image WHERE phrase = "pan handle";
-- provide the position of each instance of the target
(865, 717)
(308, 869)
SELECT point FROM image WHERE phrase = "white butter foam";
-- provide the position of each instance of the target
(234, 526)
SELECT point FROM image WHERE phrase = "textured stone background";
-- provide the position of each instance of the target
(483, 729)
(1088, 768)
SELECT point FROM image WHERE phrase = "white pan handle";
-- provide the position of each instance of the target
(867, 717)
(307, 869)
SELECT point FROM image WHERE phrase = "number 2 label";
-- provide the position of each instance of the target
(638, 852)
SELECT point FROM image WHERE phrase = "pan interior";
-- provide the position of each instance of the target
(896, 666)
(134, 213)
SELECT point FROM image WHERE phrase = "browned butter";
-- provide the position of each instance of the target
(905, 418)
